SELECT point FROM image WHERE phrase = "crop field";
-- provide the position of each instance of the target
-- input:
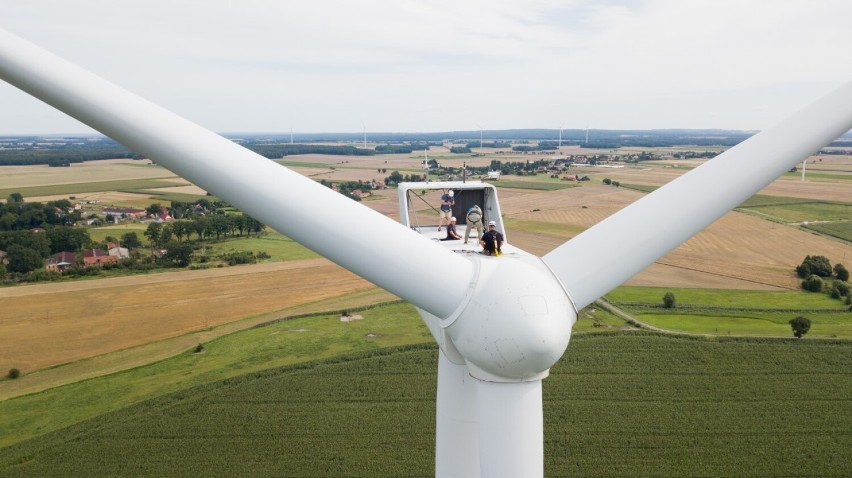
(62, 322)
(617, 405)
(90, 171)
(737, 251)
(88, 187)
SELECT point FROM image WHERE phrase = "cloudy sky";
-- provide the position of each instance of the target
(439, 65)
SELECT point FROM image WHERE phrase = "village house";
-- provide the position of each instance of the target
(117, 251)
(97, 257)
(121, 213)
(60, 262)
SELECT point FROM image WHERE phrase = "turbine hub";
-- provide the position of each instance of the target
(517, 323)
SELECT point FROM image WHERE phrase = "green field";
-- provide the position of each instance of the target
(617, 405)
(287, 342)
(93, 187)
(840, 230)
(803, 210)
(165, 197)
(735, 312)
(541, 185)
(561, 230)
(99, 234)
(278, 246)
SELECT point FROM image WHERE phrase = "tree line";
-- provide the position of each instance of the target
(30, 232)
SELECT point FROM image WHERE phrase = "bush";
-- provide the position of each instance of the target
(242, 257)
(814, 265)
(14, 373)
(198, 349)
(812, 283)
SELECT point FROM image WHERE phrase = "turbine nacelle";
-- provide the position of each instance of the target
(517, 320)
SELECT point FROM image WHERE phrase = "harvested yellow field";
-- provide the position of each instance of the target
(62, 322)
(86, 172)
(737, 251)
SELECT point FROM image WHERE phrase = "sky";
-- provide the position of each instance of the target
(438, 65)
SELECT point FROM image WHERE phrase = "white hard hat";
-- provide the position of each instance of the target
(452, 193)
(492, 223)
(453, 219)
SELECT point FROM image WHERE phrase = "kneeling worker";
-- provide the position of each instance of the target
(492, 241)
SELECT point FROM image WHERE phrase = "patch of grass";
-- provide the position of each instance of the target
(644, 188)
(728, 298)
(828, 176)
(751, 323)
(305, 164)
(840, 230)
(537, 185)
(167, 197)
(118, 230)
(798, 211)
(544, 227)
(621, 404)
(277, 245)
(735, 312)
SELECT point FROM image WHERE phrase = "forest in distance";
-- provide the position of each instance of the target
(55, 150)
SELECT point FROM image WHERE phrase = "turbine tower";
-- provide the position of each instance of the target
(500, 322)
(480, 126)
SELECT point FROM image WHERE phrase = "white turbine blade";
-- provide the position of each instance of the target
(511, 429)
(604, 256)
(354, 236)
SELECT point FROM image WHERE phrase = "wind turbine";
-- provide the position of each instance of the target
(560, 135)
(500, 322)
(480, 126)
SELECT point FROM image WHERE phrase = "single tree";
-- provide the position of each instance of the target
(800, 326)
(669, 300)
(154, 209)
(841, 272)
(178, 253)
(130, 240)
(154, 233)
(14, 373)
